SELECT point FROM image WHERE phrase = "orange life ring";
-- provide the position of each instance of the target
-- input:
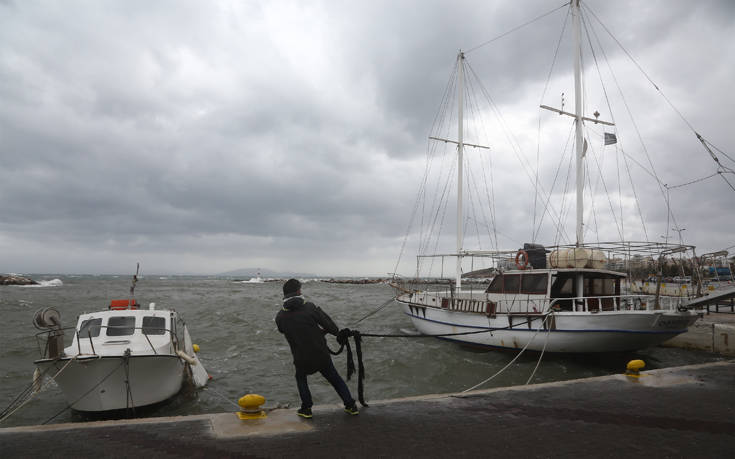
(524, 254)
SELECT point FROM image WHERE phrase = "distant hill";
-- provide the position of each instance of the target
(265, 273)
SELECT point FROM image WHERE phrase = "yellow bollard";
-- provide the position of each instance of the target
(633, 368)
(250, 407)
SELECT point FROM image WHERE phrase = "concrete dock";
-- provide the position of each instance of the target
(713, 332)
(675, 412)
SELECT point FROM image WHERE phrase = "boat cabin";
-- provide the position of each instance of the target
(112, 332)
(601, 287)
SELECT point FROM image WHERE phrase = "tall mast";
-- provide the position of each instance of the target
(460, 151)
(578, 121)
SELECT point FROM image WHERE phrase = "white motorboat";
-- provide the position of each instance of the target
(573, 298)
(120, 358)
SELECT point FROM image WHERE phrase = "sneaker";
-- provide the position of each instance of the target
(352, 409)
(304, 413)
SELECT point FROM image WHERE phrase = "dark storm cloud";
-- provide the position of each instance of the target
(204, 137)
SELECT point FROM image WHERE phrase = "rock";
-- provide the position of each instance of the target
(13, 279)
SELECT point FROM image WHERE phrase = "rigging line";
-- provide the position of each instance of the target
(517, 28)
(527, 168)
(564, 215)
(432, 148)
(713, 146)
(607, 193)
(538, 133)
(553, 184)
(694, 181)
(592, 193)
(472, 181)
(630, 114)
(439, 120)
(651, 81)
(491, 192)
(639, 66)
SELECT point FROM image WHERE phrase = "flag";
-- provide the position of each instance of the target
(610, 139)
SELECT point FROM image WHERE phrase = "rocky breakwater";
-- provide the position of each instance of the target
(14, 279)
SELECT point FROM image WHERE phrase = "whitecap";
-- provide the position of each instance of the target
(47, 283)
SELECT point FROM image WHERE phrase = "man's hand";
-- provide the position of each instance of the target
(343, 335)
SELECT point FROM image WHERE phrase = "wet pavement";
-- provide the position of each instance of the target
(675, 412)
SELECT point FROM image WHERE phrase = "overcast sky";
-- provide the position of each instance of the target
(207, 136)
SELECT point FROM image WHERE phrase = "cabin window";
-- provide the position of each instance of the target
(496, 286)
(534, 283)
(90, 328)
(154, 326)
(512, 283)
(562, 286)
(599, 287)
(121, 326)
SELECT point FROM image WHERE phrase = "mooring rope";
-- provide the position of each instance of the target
(26, 391)
(357, 336)
(84, 395)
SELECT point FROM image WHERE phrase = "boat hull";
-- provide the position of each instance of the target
(563, 332)
(97, 384)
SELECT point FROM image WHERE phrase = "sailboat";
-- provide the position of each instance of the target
(565, 298)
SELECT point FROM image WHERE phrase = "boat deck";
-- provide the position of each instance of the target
(679, 412)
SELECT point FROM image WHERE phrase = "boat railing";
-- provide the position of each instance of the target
(616, 303)
(541, 304)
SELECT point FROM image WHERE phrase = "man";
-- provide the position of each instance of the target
(305, 325)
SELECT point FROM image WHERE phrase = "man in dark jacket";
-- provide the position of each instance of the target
(305, 325)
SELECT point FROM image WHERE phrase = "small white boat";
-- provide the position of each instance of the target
(120, 358)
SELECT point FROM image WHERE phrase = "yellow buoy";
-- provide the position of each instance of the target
(195, 347)
(250, 407)
(634, 368)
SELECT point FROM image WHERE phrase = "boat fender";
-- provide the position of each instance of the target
(195, 347)
(522, 259)
(190, 360)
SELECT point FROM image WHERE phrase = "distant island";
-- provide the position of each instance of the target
(14, 279)
(265, 273)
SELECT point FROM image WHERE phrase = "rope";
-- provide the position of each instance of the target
(84, 395)
(6, 414)
(357, 337)
(511, 362)
(222, 396)
(517, 28)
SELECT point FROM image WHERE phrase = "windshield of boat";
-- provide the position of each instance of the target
(121, 326)
(154, 325)
(90, 328)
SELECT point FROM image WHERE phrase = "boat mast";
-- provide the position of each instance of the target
(578, 122)
(460, 151)
(579, 280)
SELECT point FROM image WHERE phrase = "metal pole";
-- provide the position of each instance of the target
(460, 151)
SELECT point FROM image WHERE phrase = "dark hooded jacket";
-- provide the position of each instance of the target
(305, 325)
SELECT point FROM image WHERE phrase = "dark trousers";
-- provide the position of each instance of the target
(331, 375)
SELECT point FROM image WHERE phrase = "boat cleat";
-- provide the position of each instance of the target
(250, 407)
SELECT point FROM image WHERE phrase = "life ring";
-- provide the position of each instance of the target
(524, 264)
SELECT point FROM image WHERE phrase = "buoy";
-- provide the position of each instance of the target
(250, 407)
(634, 368)
(195, 347)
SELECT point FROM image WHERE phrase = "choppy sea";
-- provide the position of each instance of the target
(243, 352)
